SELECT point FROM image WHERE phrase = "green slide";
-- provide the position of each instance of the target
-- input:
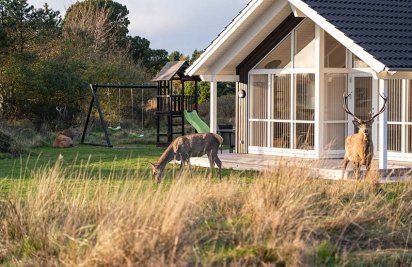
(194, 120)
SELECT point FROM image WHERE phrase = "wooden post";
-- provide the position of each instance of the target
(158, 107)
(182, 108)
(213, 105)
(383, 127)
(196, 96)
(89, 113)
(319, 90)
(102, 121)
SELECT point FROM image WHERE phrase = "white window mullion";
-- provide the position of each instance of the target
(403, 138)
(270, 108)
(292, 111)
(292, 93)
(383, 128)
(351, 103)
(375, 109)
(292, 50)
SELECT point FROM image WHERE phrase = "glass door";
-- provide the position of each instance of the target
(258, 110)
(335, 127)
(362, 97)
(363, 100)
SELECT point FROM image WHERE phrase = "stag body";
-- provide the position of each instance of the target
(359, 149)
(359, 146)
(193, 145)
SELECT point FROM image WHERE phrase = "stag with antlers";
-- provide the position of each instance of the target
(359, 146)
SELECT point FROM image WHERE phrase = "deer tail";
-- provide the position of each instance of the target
(219, 138)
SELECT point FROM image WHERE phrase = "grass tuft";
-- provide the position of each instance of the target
(71, 216)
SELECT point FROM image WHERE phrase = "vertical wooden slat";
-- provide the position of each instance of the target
(395, 115)
(241, 122)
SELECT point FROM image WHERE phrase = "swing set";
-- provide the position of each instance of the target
(95, 102)
(171, 104)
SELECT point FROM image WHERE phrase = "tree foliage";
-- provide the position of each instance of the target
(46, 61)
(152, 59)
(104, 21)
(44, 64)
(177, 56)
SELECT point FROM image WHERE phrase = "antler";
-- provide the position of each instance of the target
(385, 99)
(62, 111)
(345, 106)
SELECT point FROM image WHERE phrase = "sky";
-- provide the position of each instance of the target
(182, 25)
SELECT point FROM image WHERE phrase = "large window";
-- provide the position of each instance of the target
(408, 116)
(279, 58)
(302, 40)
(304, 111)
(335, 53)
(305, 45)
(400, 116)
(280, 124)
(282, 94)
(395, 115)
(273, 123)
(358, 63)
(258, 110)
(335, 124)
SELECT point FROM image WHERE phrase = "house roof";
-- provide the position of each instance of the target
(377, 31)
(253, 24)
(170, 70)
(382, 28)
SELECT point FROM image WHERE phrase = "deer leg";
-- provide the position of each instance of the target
(182, 164)
(344, 166)
(368, 166)
(211, 162)
(356, 171)
(190, 168)
(219, 165)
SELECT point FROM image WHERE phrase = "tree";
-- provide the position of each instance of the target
(14, 19)
(46, 23)
(102, 23)
(195, 55)
(152, 59)
(158, 58)
(176, 56)
(140, 49)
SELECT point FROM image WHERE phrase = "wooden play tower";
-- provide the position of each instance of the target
(172, 101)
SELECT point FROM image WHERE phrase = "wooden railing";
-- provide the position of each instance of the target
(176, 103)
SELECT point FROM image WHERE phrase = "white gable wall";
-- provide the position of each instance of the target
(240, 38)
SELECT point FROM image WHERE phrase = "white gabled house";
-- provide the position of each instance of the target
(293, 60)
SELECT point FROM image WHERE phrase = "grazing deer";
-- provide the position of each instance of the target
(65, 138)
(193, 145)
(359, 146)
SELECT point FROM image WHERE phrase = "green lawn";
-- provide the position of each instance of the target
(103, 159)
(100, 161)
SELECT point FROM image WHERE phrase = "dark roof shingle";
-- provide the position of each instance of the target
(382, 27)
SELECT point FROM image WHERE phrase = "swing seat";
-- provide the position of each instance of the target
(118, 128)
(136, 135)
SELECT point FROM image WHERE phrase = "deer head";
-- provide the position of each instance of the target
(157, 172)
(62, 111)
(364, 126)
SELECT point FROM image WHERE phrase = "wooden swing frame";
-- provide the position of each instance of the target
(95, 102)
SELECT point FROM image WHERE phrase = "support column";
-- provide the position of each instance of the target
(383, 127)
(213, 105)
(319, 89)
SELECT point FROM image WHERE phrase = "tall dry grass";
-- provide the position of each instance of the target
(67, 218)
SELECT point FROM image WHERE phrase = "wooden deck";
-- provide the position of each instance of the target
(327, 169)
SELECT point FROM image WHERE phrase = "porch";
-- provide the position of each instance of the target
(324, 168)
